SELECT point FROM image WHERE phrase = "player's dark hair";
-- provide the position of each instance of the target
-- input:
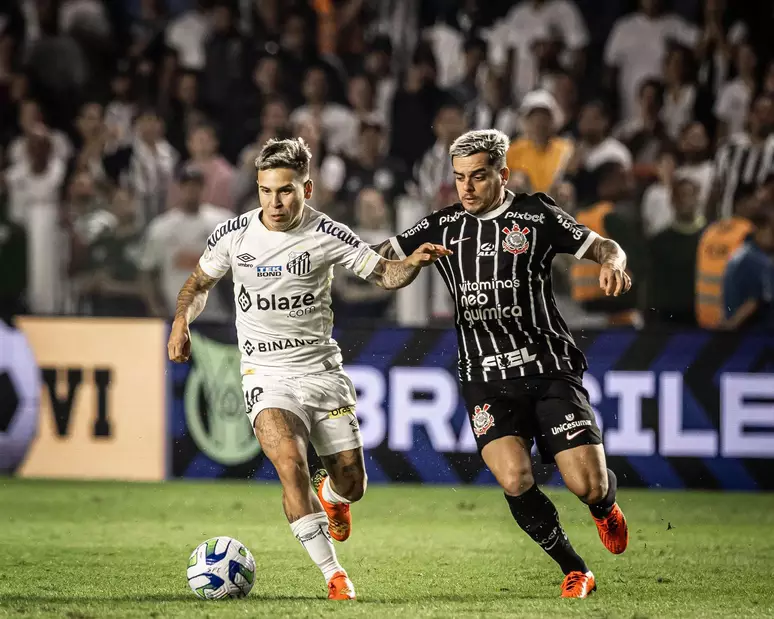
(292, 153)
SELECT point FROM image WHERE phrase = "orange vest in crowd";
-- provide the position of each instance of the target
(584, 276)
(719, 241)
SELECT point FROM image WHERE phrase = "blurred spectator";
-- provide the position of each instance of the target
(147, 31)
(146, 165)
(34, 186)
(337, 122)
(361, 96)
(434, 175)
(718, 44)
(516, 33)
(92, 139)
(187, 33)
(491, 110)
(377, 61)
(122, 108)
(735, 96)
(746, 159)
(346, 177)
(466, 88)
(672, 255)
(612, 218)
(13, 261)
(695, 161)
(657, 210)
(768, 80)
(748, 284)
(228, 59)
(267, 83)
(202, 146)
(717, 244)
(174, 244)
(539, 152)
(637, 46)
(594, 147)
(565, 92)
(680, 93)
(414, 109)
(645, 134)
(298, 54)
(114, 256)
(353, 297)
(30, 122)
(184, 110)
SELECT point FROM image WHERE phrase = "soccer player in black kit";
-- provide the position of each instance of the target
(520, 371)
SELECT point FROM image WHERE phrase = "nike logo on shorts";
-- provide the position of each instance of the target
(574, 434)
(455, 241)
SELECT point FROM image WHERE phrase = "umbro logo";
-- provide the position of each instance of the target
(245, 260)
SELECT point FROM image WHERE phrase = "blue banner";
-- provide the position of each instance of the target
(678, 409)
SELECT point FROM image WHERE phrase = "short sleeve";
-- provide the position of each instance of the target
(153, 248)
(345, 248)
(613, 47)
(424, 231)
(567, 235)
(216, 259)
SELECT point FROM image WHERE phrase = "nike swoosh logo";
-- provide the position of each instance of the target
(574, 434)
(455, 241)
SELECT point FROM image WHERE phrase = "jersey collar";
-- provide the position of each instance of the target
(500, 209)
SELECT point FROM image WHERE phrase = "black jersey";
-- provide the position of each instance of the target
(507, 321)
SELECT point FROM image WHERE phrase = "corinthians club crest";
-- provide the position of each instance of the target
(515, 240)
(482, 420)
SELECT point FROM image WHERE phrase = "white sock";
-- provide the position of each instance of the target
(312, 532)
(330, 495)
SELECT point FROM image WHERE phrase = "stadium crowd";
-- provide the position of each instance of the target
(129, 131)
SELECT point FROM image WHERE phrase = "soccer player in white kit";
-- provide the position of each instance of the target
(282, 256)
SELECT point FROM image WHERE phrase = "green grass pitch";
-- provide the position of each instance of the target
(88, 550)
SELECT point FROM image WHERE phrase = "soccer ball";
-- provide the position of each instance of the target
(219, 568)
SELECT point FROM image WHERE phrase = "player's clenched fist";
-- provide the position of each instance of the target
(427, 253)
(614, 280)
(179, 345)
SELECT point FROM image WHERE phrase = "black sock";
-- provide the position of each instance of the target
(534, 512)
(605, 506)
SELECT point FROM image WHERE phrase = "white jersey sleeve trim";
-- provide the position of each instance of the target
(368, 264)
(210, 270)
(398, 249)
(593, 236)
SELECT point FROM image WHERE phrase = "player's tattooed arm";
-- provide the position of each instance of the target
(613, 278)
(392, 274)
(386, 250)
(190, 303)
(193, 295)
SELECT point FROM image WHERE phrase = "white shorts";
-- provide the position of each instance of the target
(325, 402)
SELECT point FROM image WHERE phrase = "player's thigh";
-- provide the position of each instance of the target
(569, 435)
(283, 437)
(501, 415)
(330, 398)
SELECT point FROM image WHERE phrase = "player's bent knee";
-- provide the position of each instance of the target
(351, 487)
(590, 489)
(517, 481)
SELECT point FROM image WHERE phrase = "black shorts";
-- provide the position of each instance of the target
(551, 410)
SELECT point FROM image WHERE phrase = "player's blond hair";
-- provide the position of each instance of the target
(490, 141)
(292, 153)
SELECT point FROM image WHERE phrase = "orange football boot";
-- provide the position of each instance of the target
(339, 516)
(613, 530)
(578, 585)
(340, 587)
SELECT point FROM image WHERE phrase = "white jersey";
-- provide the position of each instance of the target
(282, 287)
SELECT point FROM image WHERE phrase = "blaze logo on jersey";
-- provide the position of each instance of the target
(515, 240)
(482, 420)
(299, 264)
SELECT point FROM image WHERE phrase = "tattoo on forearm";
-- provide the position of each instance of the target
(607, 250)
(386, 250)
(193, 295)
(393, 274)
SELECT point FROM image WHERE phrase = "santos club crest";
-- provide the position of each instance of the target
(482, 420)
(515, 240)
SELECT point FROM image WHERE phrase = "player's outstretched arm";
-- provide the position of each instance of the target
(613, 278)
(392, 274)
(190, 303)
